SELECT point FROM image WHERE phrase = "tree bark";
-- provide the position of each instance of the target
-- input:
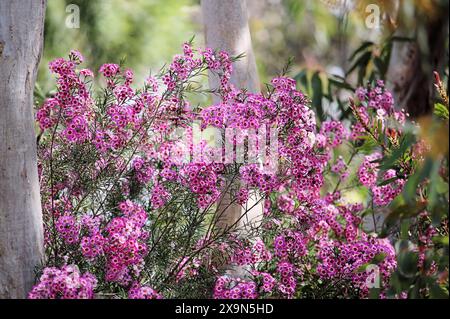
(226, 28)
(21, 228)
(410, 72)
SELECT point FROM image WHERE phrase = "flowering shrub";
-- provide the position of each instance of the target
(324, 246)
(137, 206)
(65, 283)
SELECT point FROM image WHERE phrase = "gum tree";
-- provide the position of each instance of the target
(21, 234)
(226, 28)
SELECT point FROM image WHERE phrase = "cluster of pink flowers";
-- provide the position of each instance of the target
(142, 292)
(377, 97)
(286, 203)
(368, 171)
(184, 65)
(244, 255)
(288, 282)
(72, 103)
(109, 70)
(340, 168)
(425, 242)
(268, 282)
(335, 133)
(379, 101)
(120, 115)
(346, 261)
(213, 116)
(248, 114)
(126, 245)
(287, 109)
(64, 283)
(292, 106)
(368, 176)
(313, 221)
(159, 196)
(93, 242)
(384, 194)
(253, 176)
(144, 170)
(234, 288)
(92, 245)
(68, 228)
(290, 244)
(73, 107)
(220, 62)
(44, 115)
(123, 92)
(203, 180)
(334, 231)
(243, 195)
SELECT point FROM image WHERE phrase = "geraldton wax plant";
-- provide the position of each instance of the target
(131, 206)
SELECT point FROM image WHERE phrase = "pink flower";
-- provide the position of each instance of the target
(64, 283)
(109, 70)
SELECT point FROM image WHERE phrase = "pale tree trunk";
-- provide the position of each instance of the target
(21, 228)
(226, 28)
(410, 72)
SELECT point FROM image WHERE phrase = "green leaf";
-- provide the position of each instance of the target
(369, 144)
(443, 240)
(341, 84)
(441, 111)
(400, 212)
(374, 293)
(302, 78)
(441, 185)
(401, 39)
(362, 47)
(385, 57)
(409, 192)
(316, 84)
(363, 67)
(388, 181)
(400, 283)
(433, 185)
(361, 62)
(381, 66)
(405, 144)
(438, 292)
(404, 229)
(407, 263)
(378, 258)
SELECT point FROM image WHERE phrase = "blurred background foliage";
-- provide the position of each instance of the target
(332, 47)
(146, 33)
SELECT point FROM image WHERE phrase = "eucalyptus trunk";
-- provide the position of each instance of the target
(226, 28)
(21, 228)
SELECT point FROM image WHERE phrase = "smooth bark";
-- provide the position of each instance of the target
(226, 28)
(21, 228)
